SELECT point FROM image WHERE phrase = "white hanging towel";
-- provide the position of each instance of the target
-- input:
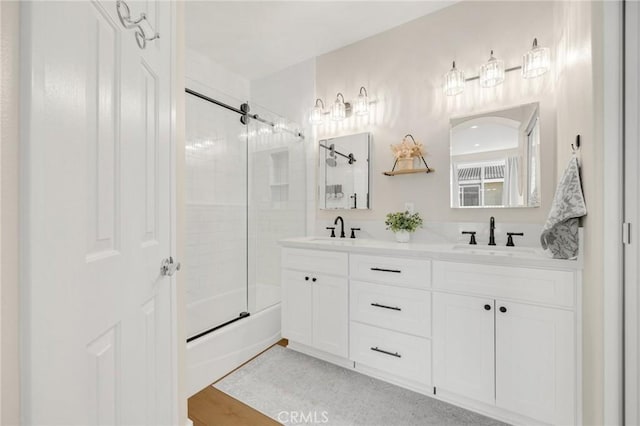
(559, 237)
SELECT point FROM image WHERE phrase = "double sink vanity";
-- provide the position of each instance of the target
(490, 328)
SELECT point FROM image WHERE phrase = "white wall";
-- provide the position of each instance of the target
(9, 290)
(402, 70)
(581, 111)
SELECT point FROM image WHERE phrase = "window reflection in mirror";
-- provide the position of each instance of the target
(343, 171)
(495, 159)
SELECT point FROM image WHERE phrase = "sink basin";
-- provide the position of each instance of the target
(498, 250)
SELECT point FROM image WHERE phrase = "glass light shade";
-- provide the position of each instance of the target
(361, 105)
(338, 109)
(492, 72)
(317, 115)
(536, 62)
(453, 81)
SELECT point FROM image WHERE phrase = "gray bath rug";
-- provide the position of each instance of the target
(293, 388)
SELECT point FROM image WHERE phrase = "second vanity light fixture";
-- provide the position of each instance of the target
(340, 109)
(535, 63)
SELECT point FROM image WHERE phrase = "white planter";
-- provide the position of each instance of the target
(403, 236)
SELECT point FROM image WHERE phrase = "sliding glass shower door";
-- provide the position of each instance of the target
(215, 264)
(245, 190)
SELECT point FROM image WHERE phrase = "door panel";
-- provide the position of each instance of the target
(330, 314)
(296, 307)
(96, 177)
(463, 345)
(535, 373)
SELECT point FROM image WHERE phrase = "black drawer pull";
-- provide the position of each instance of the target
(395, 271)
(393, 308)
(382, 351)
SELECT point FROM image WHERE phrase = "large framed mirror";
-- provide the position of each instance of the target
(344, 172)
(495, 158)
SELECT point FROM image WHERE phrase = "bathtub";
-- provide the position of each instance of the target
(212, 356)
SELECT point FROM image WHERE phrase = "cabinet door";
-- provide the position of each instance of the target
(463, 345)
(330, 315)
(296, 306)
(535, 353)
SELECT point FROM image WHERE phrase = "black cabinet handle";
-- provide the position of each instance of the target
(314, 279)
(487, 307)
(393, 308)
(306, 278)
(503, 309)
(395, 271)
(382, 351)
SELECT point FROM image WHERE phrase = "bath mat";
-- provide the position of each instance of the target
(293, 388)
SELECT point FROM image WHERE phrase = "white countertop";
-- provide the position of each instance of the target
(494, 255)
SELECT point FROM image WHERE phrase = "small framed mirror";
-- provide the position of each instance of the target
(344, 172)
(495, 159)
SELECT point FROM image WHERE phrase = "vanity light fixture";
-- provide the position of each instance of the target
(492, 72)
(454, 81)
(317, 112)
(339, 108)
(536, 61)
(361, 104)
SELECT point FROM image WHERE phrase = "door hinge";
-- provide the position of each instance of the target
(626, 233)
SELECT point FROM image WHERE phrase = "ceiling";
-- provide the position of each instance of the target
(257, 38)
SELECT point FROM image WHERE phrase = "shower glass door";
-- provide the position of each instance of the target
(215, 264)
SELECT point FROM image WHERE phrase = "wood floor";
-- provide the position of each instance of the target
(211, 407)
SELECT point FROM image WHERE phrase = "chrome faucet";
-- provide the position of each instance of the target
(339, 218)
(492, 229)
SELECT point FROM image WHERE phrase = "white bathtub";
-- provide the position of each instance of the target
(212, 356)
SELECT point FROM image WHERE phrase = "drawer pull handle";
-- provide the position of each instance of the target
(395, 271)
(393, 308)
(382, 351)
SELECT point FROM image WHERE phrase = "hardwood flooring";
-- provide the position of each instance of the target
(211, 407)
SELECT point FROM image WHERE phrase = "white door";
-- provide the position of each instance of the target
(535, 369)
(463, 346)
(296, 306)
(97, 317)
(330, 314)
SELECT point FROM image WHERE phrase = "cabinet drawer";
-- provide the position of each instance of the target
(534, 285)
(395, 353)
(391, 270)
(402, 309)
(327, 262)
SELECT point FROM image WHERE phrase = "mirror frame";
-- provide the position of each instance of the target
(322, 172)
(526, 157)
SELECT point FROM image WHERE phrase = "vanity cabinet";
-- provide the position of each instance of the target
(505, 348)
(315, 302)
(390, 309)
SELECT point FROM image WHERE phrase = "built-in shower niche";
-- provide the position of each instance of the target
(279, 178)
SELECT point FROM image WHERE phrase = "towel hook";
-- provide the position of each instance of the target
(577, 145)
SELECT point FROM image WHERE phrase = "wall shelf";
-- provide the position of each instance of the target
(408, 171)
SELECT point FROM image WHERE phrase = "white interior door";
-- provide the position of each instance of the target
(97, 317)
(632, 215)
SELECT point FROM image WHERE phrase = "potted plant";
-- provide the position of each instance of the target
(402, 224)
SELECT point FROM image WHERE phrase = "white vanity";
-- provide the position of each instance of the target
(493, 330)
